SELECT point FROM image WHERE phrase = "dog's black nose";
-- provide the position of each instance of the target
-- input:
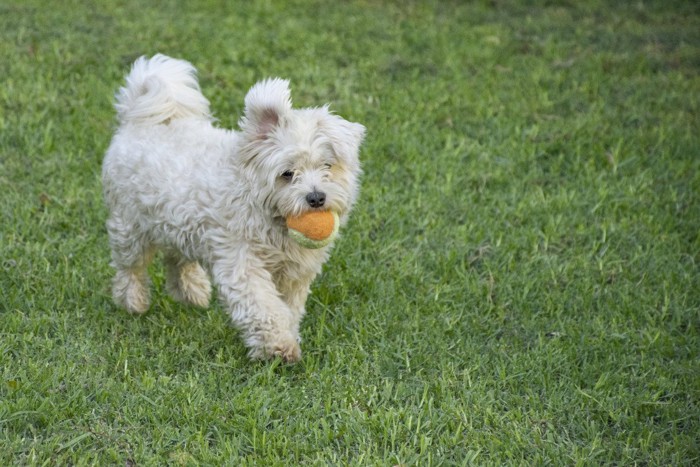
(316, 199)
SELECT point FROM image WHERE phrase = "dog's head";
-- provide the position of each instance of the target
(300, 159)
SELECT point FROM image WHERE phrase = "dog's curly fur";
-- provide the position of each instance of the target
(214, 200)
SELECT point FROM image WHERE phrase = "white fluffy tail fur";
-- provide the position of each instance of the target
(160, 89)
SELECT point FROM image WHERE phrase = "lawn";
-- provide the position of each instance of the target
(518, 285)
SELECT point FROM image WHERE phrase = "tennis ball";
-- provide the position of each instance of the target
(313, 229)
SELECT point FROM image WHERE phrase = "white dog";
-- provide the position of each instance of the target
(215, 201)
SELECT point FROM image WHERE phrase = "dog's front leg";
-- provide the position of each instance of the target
(294, 287)
(266, 321)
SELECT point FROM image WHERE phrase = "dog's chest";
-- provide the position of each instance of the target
(296, 263)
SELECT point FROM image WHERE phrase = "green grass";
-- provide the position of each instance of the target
(518, 285)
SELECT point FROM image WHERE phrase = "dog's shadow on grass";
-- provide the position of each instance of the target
(180, 338)
(183, 332)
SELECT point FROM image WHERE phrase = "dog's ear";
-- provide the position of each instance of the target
(266, 106)
(345, 137)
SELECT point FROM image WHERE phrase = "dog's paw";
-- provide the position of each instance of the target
(137, 303)
(190, 285)
(131, 292)
(290, 352)
(198, 295)
(286, 348)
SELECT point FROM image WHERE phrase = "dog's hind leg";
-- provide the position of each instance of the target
(131, 255)
(187, 281)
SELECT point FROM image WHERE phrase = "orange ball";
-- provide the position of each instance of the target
(313, 229)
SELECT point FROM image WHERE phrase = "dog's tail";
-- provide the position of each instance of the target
(160, 89)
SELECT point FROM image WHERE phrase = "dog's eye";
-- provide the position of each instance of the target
(328, 166)
(287, 174)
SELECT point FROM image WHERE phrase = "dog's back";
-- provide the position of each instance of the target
(165, 152)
